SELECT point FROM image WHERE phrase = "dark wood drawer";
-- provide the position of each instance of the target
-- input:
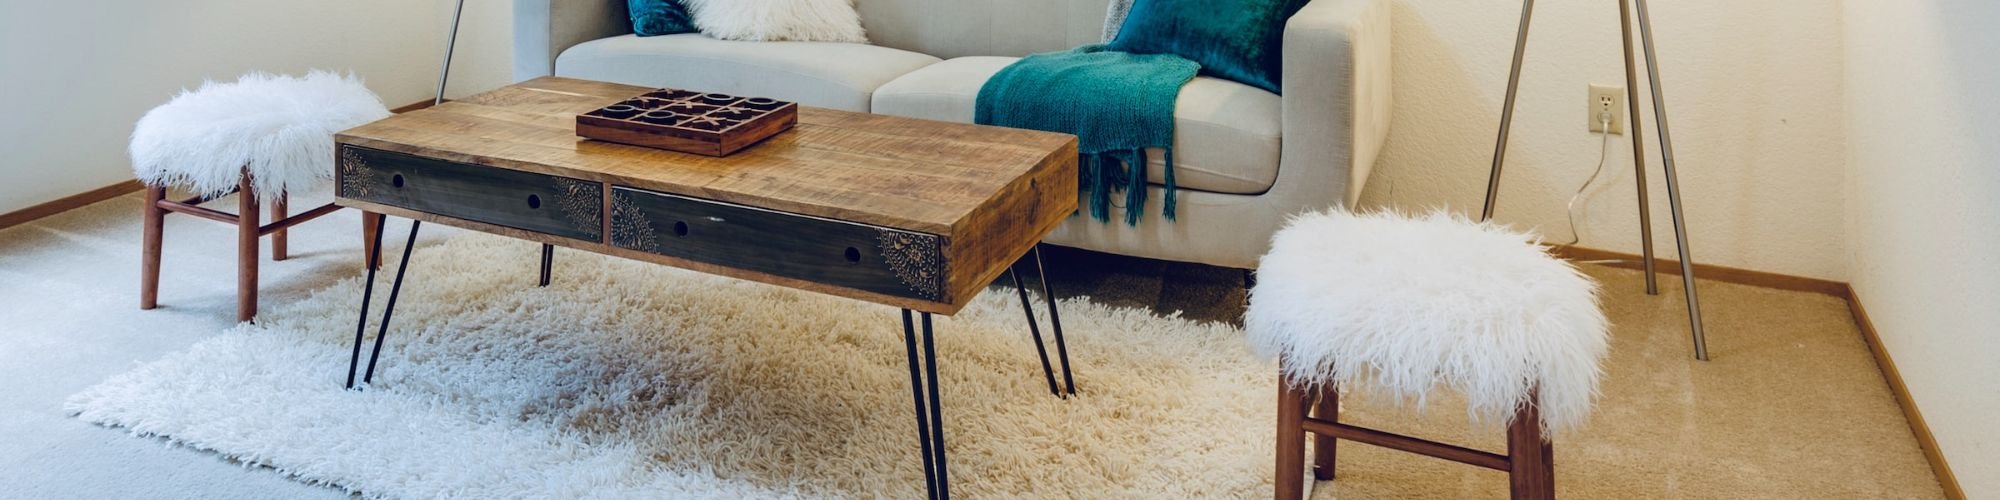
(545, 204)
(826, 251)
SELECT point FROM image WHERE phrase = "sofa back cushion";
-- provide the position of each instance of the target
(958, 28)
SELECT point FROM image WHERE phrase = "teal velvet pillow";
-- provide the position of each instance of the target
(659, 17)
(1232, 39)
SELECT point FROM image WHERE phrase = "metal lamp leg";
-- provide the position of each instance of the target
(1638, 153)
(388, 309)
(1673, 184)
(930, 418)
(1638, 150)
(450, 42)
(1507, 110)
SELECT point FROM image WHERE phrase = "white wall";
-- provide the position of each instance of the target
(1924, 203)
(76, 75)
(1753, 90)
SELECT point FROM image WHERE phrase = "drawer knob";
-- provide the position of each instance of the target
(680, 228)
(396, 181)
(534, 201)
(853, 255)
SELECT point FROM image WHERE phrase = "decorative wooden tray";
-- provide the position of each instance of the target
(689, 122)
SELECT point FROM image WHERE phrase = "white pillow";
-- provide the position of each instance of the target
(778, 20)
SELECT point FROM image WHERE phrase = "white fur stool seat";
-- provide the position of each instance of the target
(263, 137)
(279, 128)
(1403, 305)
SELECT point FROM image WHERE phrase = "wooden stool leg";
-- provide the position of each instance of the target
(246, 251)
(371, 225)
(149, 265)
(278, 213)
(1290, 477)
(1328, 409)
(1530, 456)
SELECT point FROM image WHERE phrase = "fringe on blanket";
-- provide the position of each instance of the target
(1124, 170)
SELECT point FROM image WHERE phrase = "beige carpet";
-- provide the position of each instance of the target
(814, 401)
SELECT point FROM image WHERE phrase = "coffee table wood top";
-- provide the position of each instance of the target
(988, 193)
(919, 175)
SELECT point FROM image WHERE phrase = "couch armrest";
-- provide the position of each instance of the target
(543, 29)
(1336, 102)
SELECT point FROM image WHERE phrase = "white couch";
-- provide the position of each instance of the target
(1245, 158)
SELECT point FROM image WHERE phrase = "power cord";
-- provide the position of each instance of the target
(1603, 155)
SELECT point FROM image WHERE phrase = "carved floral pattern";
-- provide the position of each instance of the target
(630, 228)
(581, 202)
(353, 173)
(916, 260)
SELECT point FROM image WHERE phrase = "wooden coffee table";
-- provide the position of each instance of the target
(915, 214)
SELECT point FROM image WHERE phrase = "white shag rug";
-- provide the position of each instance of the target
(624, 380)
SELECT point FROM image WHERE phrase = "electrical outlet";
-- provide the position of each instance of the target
(1606, 99)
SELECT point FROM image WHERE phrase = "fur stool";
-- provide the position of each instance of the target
(262, 136)
(1402, 305)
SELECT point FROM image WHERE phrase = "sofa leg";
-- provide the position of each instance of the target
(278, 213)
(246, 250)
(149, 264)
(1328, 409)
(1530, 456)
(1290, 477)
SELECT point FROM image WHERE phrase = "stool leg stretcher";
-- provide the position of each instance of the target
(1529, 462)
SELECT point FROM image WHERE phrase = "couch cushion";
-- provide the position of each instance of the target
(824, 74)
(1226, 134)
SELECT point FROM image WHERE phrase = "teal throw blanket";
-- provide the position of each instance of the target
(1118, 104)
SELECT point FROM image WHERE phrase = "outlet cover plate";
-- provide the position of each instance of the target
(1607, 99)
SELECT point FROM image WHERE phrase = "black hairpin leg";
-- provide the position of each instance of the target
(930, 421)
(548, 260)
(1035, 330)
(367, 292)
(388, 310)
(1055, 321)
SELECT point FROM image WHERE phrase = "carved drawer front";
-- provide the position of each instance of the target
(545, 204)
(825, 251)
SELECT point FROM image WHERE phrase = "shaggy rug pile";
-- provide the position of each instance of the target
(624, 379)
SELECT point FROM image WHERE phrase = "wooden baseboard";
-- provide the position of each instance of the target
(1707, 271)
(1925, 439)
(25, 215)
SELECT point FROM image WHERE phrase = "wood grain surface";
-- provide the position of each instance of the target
(986, 194)
(509, 198)
(916, 175)
(824, 250)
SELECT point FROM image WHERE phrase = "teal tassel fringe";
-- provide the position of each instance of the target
(1167, 209)
(1103, 173)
